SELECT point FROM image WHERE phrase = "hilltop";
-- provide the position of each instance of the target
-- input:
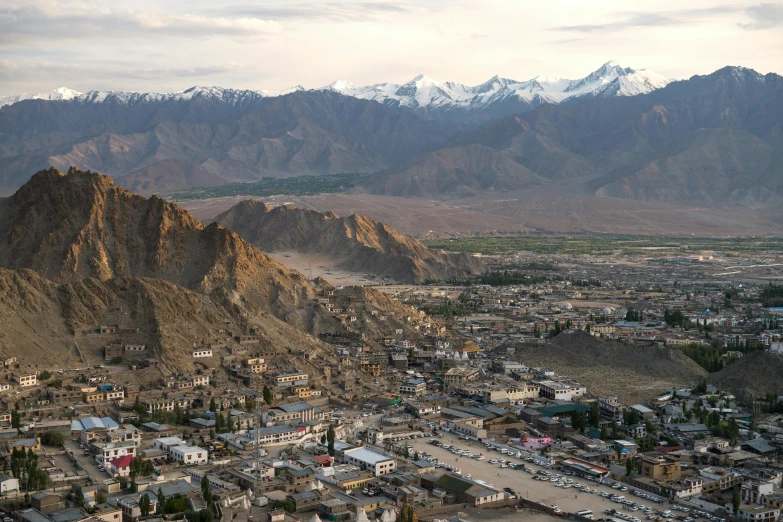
(633, 373)
(354, 243)
(747, 376)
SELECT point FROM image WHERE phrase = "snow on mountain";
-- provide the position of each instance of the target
(232, 96)
(63, 93)
(610, 79)
(421, 92)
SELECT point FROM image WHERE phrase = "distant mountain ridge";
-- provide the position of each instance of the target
(711, 139)
(610, 79)
(356, 243)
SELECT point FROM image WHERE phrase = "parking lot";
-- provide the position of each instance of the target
(567, 499)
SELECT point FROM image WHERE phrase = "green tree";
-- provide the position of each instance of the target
(212, 405)
(78, 497)
(604, 433)
(406, 453)
(219, 423)
(416, 456)
(267, 395)
(330, 436)
(595, 415)
(628, 467)
(206, 490)
(407, 514)
(144, 505)
(161, 502)
(323, 439)
(52, 438)
(44, 376)
(735, 499)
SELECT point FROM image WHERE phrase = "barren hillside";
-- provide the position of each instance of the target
(632, 373)
(355, 243)
(757, 373)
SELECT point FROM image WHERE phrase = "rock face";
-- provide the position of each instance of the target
(356, 243)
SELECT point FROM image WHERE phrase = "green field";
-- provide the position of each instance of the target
(602, 245)
(296, 186)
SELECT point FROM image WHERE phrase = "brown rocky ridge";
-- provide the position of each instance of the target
(355, 243)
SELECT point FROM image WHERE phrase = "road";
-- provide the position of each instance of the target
(87, 463)
(569, 500)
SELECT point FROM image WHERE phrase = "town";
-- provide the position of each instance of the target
(592, 386)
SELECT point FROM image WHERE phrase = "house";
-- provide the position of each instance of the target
(120, 466)
(292, 379)
(46, 501)
(26, 379)
(456, 377)
(189, 455)
(758, 513)
(295, 413)
(202, 352)
(413, 387)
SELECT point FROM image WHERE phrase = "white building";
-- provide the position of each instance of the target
(370, 460)
(26, 379)
(164, 444)
(8, 484)
(189, 455)
(204, 352)
(555, 390)
(414, 387)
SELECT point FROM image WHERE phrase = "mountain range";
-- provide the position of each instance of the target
(617, 133)
(354, 243)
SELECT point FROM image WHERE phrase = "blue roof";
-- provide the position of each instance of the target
(93, 423)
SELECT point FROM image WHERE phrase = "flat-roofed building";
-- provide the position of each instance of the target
(370, 460)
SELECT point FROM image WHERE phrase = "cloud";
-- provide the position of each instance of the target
(334, 11)
(763, 16)
(636, 19)
(13, 71)
(37, 20)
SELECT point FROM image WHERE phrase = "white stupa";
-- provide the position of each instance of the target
(388, 516)
(315, 518)
(361, 516)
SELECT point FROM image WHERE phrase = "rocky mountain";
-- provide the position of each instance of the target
(78, 251)
(711, 139)
(354, 243)
(745, 378)
(236, 136)
(454, 172)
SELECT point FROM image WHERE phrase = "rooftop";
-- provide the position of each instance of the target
(367, 455)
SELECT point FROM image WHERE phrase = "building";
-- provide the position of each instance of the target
(759, 514)
(370, 460)
(119, 467)
(8, 484)
(202, 352)
(26, 379)
(414, 387)
(292, 379)
(556, 391)
(467, 491)
(46, 501)
(665, 468)
(459, 376)
(256, 365)
(754, 491)
(609, 407)
(189, 455)
(275, 435)
(295, 413)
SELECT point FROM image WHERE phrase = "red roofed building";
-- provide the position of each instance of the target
(324, 461)
(120, 467)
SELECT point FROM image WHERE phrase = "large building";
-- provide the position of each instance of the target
(370, 460)
(295, 413)
(467, 491)
(414, 387)
(459, 376)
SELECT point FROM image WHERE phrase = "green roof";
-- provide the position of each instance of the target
(551, 411)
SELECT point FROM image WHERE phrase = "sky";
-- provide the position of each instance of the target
(169, 45)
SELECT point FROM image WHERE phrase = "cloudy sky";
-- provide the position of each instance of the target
(168, 45)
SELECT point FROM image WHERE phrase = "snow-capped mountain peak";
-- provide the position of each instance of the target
(61, 93)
